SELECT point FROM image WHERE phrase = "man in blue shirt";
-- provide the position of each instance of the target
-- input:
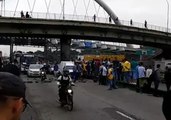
(141, 76)
(55, 69)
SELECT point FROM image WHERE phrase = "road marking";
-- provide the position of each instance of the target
(126, 116)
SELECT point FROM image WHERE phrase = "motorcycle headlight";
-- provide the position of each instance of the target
(43, 72)
(58, 83)
(69, 91)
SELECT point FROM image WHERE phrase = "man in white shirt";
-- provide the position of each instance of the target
(149, 71)
(103, 74)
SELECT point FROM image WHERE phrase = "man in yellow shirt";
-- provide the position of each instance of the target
(110, 76)
(84, 65)
(126, 70)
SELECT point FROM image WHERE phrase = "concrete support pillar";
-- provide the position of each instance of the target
(46, 51)
(166, 53)
(11, 50)
(65, 49)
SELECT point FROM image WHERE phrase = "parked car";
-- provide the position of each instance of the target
(169, 65)
(34, 70)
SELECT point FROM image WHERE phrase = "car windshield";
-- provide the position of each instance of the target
(35, 66)
(69, 67)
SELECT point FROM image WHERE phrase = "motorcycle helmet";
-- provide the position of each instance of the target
(65, 72)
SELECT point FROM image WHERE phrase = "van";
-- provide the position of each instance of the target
(69, 65)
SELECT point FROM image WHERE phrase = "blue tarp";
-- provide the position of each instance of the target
(88, 44)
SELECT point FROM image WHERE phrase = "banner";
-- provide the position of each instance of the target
(104, 57)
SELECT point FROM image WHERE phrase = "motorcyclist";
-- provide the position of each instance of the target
(43, 69)
(64, 80)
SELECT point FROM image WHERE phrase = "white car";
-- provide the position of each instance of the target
(169, 65)
(34, 70)
(69, 65)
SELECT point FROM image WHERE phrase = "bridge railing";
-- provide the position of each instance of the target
(141, 25)
(55, 16)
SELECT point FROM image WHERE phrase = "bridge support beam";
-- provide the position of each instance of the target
(46, 52)
(65, 49)
(11, 50)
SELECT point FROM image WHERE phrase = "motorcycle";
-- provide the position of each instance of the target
(67, 101)
(43, 76)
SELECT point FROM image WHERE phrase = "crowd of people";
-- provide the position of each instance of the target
(108, 72)
(25, 16)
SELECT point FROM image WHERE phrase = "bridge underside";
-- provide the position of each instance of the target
(36, 31)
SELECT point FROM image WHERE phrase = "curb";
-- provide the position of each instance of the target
(132, 86)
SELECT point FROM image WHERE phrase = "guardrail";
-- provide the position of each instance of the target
(55, 16)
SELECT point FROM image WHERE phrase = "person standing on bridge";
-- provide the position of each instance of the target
(27, 15)
(94, 17)
(110, 19)
(22, 14)
(145, 24)
(131, 22)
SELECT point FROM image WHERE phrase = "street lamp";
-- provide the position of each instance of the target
(63, 9)
(167, 15)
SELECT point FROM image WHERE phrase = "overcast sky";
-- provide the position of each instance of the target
(154, 11)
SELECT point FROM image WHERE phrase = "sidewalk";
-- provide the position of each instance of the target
(162, 87)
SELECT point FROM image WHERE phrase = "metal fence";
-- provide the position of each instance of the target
(55, 16)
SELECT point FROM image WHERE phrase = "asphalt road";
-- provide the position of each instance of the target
(91, 102)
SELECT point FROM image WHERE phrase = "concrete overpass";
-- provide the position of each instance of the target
(67, 30)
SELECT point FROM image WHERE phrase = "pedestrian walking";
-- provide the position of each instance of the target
(145, 24)
(167, 78)
(131, 22)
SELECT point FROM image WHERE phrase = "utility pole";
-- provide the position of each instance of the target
(167, 15)
(1, 1)
(4, 6)
(63, 9)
